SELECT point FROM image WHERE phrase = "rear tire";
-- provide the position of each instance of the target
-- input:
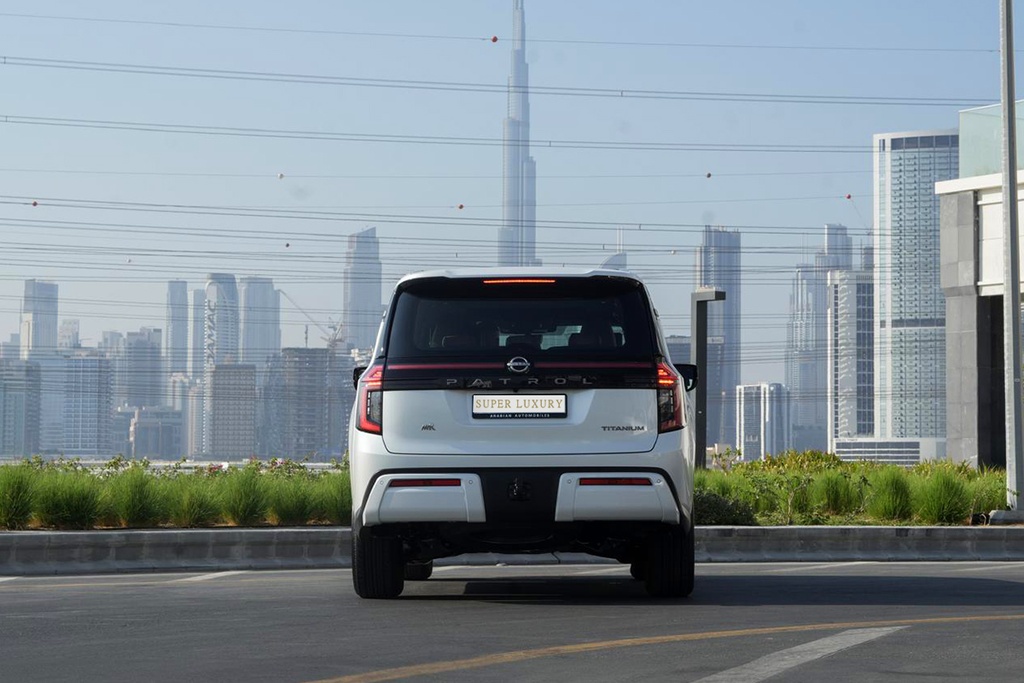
(377, 567)
(637, 570)
(670, 563)
(419, 571)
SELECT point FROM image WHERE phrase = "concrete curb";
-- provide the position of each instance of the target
(24, 553)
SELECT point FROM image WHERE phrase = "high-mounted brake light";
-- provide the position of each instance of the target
(520, 281)
(670, 399)
(371, 400)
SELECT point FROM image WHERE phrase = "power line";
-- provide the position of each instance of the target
(452, 86)
(466, 38)
(237, 131)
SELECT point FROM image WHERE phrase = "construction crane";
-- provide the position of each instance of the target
(331, 333)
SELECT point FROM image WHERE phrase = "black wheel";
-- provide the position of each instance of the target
(637, 570)
(377, 567)
(670, 563)
(419, 571)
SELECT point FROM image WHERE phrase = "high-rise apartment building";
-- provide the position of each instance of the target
(362, 278)
(762, 420)
(910, 309)
(19, 408)
(517, 237)
(140, 382)
(851, 353)
(39, 319)
(305, 402)
(197, 333)
(260, 322)
(230, 427)
(807, 340)
(88, 405)
(718, 266)
(155, 433)
(176, 329)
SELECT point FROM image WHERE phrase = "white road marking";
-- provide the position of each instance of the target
(8, 578)
(618, 569)
(990, 567)
(777, 662)
(812, 567)
(207, 577)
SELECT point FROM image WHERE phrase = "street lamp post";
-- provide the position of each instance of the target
(699, 357)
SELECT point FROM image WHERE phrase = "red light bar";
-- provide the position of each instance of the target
(520, 281)
(615, 481)
(416, 483)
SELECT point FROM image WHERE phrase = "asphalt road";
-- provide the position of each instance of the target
(745, 622)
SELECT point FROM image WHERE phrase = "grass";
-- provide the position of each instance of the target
(804, 488)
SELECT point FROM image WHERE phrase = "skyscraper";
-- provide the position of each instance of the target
(807, 340)
(762, 420)
(39, 319)
(910, 309)
(517, 237)
(851, 353)
(718, 266)
(260, 322)
(361, 274)
(304, 402)
(220, 347)
(176, 329)
(19, 407)
(68, 336)
(198, 333)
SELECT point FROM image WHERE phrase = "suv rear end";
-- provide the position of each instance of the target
(521, 412)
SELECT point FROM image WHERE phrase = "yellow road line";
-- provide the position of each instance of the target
(581, 648)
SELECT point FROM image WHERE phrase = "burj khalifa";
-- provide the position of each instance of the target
(517, 236)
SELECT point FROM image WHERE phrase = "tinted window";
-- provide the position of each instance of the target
(590, 317)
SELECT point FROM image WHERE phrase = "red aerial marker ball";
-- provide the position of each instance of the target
(35, 203)
(849, 196)
(461, 206)
(494, 39)
(709, 174)
(287, 244)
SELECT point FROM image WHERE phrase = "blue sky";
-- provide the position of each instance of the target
(112, 264)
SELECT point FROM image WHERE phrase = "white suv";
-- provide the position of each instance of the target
(521, 411)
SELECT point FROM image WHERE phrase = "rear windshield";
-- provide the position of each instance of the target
(570, 317)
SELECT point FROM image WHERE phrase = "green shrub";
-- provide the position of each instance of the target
(291, 500)
(988, 492)
(70, 500)
(333, 498)
(943, 498)
(17, 496)
(834, 493)
(244, 496)
(136, 498)
(191, 501)
(890, 497)
(716, 481)
(711, 509)
(761, 490)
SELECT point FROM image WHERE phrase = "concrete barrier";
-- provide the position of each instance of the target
(91, 552)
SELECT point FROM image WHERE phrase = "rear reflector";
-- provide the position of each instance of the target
(418, 483)
(615, 481)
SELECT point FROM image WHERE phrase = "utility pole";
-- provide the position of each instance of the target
(1011, 270)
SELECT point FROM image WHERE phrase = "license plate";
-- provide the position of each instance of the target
(518, 406)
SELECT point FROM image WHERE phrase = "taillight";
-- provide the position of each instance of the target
(670, 399)
(371, 400)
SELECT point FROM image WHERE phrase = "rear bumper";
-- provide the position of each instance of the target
(573, 496)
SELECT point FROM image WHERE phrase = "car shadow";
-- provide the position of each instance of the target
(737, 590)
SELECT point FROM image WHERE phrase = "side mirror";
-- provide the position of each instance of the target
(356, 374)
(689, 374)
